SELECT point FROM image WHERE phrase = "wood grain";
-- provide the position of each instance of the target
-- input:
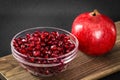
(83, 67)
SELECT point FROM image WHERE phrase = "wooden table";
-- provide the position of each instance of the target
(83, 67)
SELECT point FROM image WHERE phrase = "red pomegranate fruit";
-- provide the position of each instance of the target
(96, 33)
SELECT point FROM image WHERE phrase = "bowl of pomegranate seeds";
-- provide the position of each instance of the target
(44, 51)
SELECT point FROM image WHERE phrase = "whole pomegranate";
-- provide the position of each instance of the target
(96, 33)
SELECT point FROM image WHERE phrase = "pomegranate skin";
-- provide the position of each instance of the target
(96, 33)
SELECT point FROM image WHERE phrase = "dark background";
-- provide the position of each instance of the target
(17, 15)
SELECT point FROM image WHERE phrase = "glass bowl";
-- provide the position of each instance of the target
(52, 66)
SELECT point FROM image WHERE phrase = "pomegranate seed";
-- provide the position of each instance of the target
(47, 72)
(56, 42)
(35, 39)
(39, 62)
(38, 47)
(31, 39)
(19, 39)
(60, 43)
(23, 46)
(36, 53)
(19, 42)
(37, 43)
(66, 37)
(56, 52)
(66, 46)
(46, 33)
(32, 44)
(28, 36)
(62, 35)
(35, 34)
(29, 49)
(32, 60)
(46, 40)
(67, 51)
(72, 46)
(55, 33)
(44, 62)
(42, 36)
(48, 52)
(15, 43)
(44, 45)
(59, 49)
(50, 43)
(23, 51)
(53, 47)
(24, 40)
(46, 56)
(54, 55)
(53, 39)
(47, 48)
(42, 48)
(51, 36)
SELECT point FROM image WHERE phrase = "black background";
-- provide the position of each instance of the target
(17, 15)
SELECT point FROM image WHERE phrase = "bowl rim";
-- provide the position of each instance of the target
(37, 28)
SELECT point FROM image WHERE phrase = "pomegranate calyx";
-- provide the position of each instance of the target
(95, 12)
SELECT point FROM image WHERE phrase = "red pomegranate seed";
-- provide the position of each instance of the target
(55, 33)
(60, 43)
(19, 42)
(53, 47)
(42, 48)
(38, 42)
(29, 49)
(54, 55)
(31, 39)
(46, 56)
(50, 43)
(36, 53)
(48, 52)
(42, 36)
(46, 40)
(53, 39)
(72, 46)
(32, 44)
(47, 48)
(32, 60)
(24, 40)
(67, 51)
(28, 36)
(19, 39)
(44, 45)
(46, 33)
(59, 49)
(35, 34)
(62, 35)
(47, 72)
(66, 37)
(38, 47)
(66, 46)
(23, 46)
(23, 51)
(56, 52)
(15, 43)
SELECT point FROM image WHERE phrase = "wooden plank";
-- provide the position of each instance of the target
(83, 67)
